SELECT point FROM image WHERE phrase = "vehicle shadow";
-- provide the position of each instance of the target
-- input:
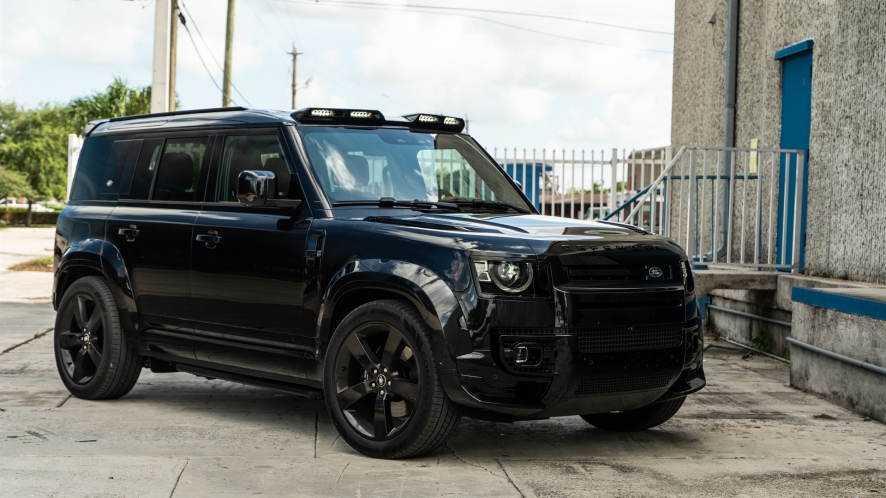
(257, 409)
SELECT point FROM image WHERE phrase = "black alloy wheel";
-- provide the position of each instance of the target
(377, 380)
(80, 340)
(381, 387)
(92, 354)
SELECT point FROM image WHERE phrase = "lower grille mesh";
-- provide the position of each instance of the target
(623, 384)
(636, 338)
(612, 338)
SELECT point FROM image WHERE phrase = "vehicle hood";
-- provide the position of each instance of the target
(549, 237)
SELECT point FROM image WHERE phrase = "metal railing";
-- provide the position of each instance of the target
(721, 204)
(579, 184)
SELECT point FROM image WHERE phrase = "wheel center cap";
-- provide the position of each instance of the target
(381, 380)
(84, 338)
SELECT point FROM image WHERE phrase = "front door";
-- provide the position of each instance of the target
(248, 265)
(796, 119)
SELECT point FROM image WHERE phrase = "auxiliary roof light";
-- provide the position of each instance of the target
(434, 122)
(328, 115)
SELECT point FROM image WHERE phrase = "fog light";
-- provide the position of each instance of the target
(527, 355)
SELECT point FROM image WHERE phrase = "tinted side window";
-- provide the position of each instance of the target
(148, 159)
(118, 169)
(90, 168)
(252, 152)
(179, 169)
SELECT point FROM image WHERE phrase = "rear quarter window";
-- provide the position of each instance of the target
(105, 163)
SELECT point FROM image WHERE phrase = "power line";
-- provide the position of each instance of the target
(197, 28)
(316, 60)
(507, 12)
(377, 7)
(188, 31)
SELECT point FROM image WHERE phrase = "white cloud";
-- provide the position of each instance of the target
(519, 88)
(626, 118)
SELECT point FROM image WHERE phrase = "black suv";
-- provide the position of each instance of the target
(386, 264)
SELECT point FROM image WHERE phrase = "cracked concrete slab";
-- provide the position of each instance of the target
(748, 434)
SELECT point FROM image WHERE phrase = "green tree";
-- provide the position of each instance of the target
(14, 184)
(33, 143)
(119, 99)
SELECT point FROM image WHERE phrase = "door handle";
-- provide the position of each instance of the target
(129, 233)
(211, 239)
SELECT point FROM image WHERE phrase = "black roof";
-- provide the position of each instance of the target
(201, 118)
(232, 116)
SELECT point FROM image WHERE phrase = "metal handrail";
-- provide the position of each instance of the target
(652, 187)
(627, 202)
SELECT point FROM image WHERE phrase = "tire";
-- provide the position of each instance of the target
(93, 357)
(401, 412)
(636, 420)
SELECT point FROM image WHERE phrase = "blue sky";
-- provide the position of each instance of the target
(519, 88)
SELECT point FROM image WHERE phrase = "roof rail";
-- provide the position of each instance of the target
(177, 113)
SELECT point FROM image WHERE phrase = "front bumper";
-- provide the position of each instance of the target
(589, 360)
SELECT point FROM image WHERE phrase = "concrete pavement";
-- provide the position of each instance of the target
(17, 245)
(747, 434)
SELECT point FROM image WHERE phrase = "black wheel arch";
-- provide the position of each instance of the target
(100, 259)
(366, 281)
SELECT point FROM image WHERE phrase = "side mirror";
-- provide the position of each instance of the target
(254, 188)
(259, 188)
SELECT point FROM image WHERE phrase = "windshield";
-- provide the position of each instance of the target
(368, 164)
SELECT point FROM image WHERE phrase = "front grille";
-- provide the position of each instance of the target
(619, 273)
(623, 384)
(625, 338)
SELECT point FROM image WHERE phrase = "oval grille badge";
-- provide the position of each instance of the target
(655, 272)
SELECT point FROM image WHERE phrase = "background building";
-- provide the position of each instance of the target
(808, 75)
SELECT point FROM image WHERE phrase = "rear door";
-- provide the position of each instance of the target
(248, 263)
(153, 224)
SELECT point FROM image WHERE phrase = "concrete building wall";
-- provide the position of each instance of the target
(846, 227)
(857, 337)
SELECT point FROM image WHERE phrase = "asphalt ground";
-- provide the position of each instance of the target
(747, 434)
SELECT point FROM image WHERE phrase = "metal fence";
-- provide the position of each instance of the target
(579, 184)
(727, 206)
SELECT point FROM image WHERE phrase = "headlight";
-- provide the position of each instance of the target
(507, 276)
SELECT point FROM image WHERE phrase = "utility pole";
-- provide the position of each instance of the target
(229, 49)
(160, 72)
(467, 124)
(173, 43)
(295, 53)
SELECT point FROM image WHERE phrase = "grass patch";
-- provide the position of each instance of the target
(39, 264)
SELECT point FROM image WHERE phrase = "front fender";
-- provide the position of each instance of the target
(422, 287)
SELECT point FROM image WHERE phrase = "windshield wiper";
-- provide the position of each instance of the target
(391, 202)
(481, 203)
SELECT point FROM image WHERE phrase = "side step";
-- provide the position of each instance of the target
(305, 391)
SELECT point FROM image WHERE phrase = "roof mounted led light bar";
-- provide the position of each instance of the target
(338, 116)
(434, 122)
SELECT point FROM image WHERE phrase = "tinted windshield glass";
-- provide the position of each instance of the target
(354, 164)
